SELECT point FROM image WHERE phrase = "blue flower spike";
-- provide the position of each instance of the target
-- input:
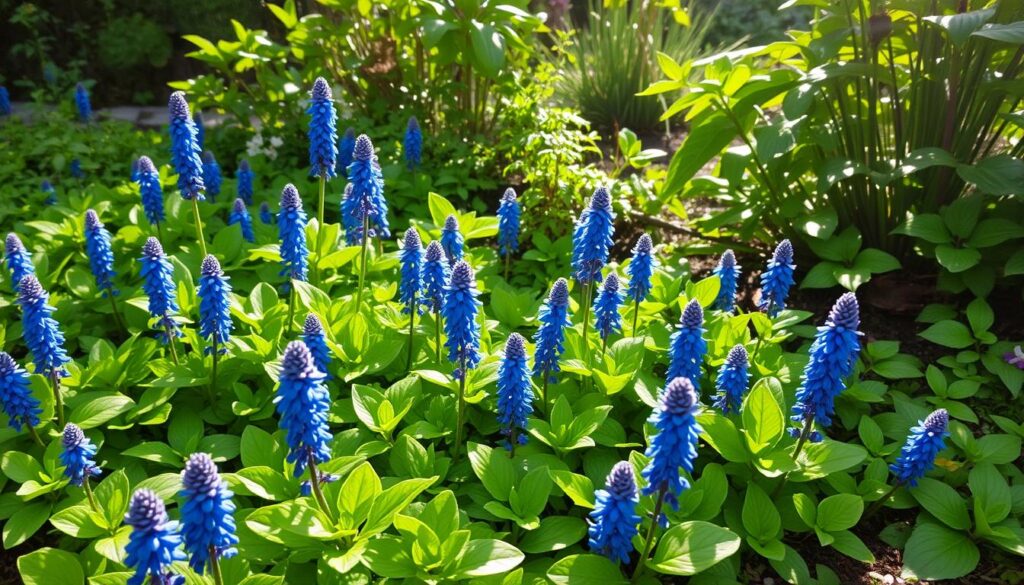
(346, 145)
(607, 320)
(508, 226)
(158, 284)
(211, 175)
(777, 279)
(240, 215)
(154, 543)
(515, 393)
(412, 146)
(732, 381)
(452, 240)
(185, 149)
(18, 259)
(924, 443)
(323, 131)
(101, 257)
(315, 338)
(291, 226)
(550, 336)
(20, 406)
(687, 346)
(461, 309)
(266, 216)
(244, 179)
(640, 269)
(214, 306)
(83, 104)
(150, 190)
(207, 515)
(728, 273)
(674, 446)
(614, 521)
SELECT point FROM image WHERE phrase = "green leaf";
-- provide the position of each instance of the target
(997, 175)
(875, 261)
(760, 517)
(585, 570)
(961, 26)
(24, 523)
(99, 409)
(935, 552)
(112, 495)
(388, 557)
(440, 208)
(579, 488)
(691, 547)
(392, 501)
(722, 435)
(992, 495)
(554, 533)
(943, 502)
(821, 275)
(494, 468)
(828, 457)
(956, 259)
(486, 556)
(995, 231)
(360, 488)
(850, 545)
(949, 333)
(488, 49)
(705, 141)
(1012, 33)
(926, 226)
(763, 419)
(258, 447)
(48, 566)
(79, 521)
(20, 467)
(839, 512)
(980, 316)
(156, 452)
(530, 497)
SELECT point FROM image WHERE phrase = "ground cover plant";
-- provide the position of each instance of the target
(246, 369)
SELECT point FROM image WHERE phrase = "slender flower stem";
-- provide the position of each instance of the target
(320, 227)
(437, 331)
(88, 494)
(291, 310)
(649, 540)
(636, 315)
(314, 482)
(118, 320)
(199, 226)
(881, 502)
(508, 254)
(585, 307)
(35, 436)
(544, 390)
(804, 434)
(57, 398)
(213, 373)
(362, 265)
(160, 232)
(215, 566)
(412, 329)
(462, 408)
(170, 343)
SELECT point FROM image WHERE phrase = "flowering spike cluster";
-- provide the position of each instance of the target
(266, 216)
(101, 257)
(687, 346)
(606, 308)
(20, 406)
(5, 102)
(323, 131)
(197, 119)
(214, 305)
(640, 269)
(412, 147)
(614, 521)
(777, 279)
(353, 226)
(732, 381)
(40, 330)
(593, 237)
(146, 175)
(154, 543)
(508, 223)
(316, 340)
(436, 274)
(76, 169)
(550, 336)
(291, 225)
(51, 194)
(345, 146)
(19, 261)
(82, 103)
(675, 444)
(924, 442)
(158, 283)
(185, 149)
(833, 356)
(207, 514)
(515, 397)
(240, 215)
(365, 202)
(77, 456)
(303, 404)
(412, 270)
(728, 273)
(451, 240)
(211, 175)
(460, 311)
(244, 178)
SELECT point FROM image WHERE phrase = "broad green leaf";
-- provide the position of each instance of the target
(49, 566)
(943, 502)
(486, 557)
(991, 493)
(839, 512)
(692, 547)
(554, 533)
(763, 420)
(760, 517)
(949, 333)
(494, 469)
(585, 569)
(935, 552)
(392, 501)
(361, 487)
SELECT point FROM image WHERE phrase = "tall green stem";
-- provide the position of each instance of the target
(585, 307)
(213, 373)
(291, 310)
(636, 315)
(881, 502)
(118, 320)
(314, 483)
(199, 226)
(804, 434)
(88, 494)
(508, 254)
(362, 264)
(641, 564)
(412, 330)
(170, 342)
(320, 227)
(437, 331)
(218, 579)
(462, 408)
(58, 400)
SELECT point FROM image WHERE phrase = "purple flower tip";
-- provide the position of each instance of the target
(364, 148)
(239, 206)
(321, 89)
(737, 357)
(298, 363)
(412, 240)
(784, 252)
(208, 157)
(937, 421)
(243, 166)
(451, 223)
(611, 284)
(200, 474)
(693, 314)
(92, 221)
(728, 260)
(509, 195)
(559, 293)
(413, 123)
(515, 346)
(146, 165)
(845, 313)
(14, 244)
(621, 481)
(290, 197)
(29, 288)
(312, 326)
(462, 275)
(679, 396)
(146, 510)
(601, 199)
(178, 107)
(434, 251)
(211, 267)
(152, 248)
(7, 363)
(73, 436)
